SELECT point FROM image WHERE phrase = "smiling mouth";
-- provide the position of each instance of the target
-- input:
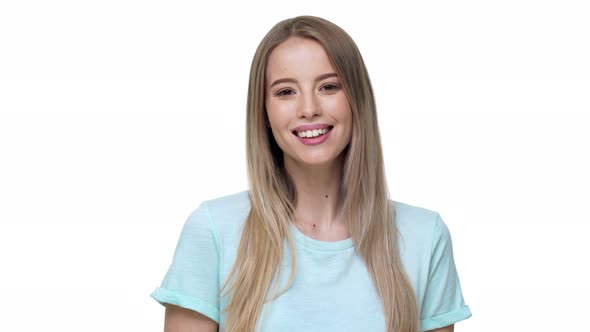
(312, 133)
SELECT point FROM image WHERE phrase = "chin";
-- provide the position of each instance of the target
(317, 161)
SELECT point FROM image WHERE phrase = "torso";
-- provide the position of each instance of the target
(329, 272)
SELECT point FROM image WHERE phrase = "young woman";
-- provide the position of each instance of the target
(315, 244)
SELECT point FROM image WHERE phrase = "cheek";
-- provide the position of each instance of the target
(343, 113)
(340, 109)
(278, 114)
(271, 113)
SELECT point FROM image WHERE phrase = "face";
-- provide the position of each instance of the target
(307, 108)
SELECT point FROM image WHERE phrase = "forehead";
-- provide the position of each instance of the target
(299, 58)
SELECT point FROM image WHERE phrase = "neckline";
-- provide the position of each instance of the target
(311, 243)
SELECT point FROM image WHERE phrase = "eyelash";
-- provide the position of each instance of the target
(334, 87)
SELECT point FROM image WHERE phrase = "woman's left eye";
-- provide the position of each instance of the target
(330, 87)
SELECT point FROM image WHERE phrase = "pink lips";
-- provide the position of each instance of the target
(313, 140)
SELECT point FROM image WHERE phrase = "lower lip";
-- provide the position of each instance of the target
(314, 140)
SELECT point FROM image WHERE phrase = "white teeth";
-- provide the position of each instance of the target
(312, 133)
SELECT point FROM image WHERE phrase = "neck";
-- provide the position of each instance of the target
(317, 189)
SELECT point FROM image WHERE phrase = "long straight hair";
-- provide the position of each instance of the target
(363, 195)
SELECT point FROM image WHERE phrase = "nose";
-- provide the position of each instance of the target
(308, 106)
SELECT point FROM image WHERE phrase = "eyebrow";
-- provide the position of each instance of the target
(292, 80)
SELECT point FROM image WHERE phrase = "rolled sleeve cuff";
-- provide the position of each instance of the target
(164, 296)
(445, 319)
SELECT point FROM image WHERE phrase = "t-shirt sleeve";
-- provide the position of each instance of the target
(443, 303)
(192, 281)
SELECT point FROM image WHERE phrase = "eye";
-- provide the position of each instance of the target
(284, 92)
(330, 87)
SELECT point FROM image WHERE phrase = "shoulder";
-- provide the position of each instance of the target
(232, 203)
(414, 218)
(226, 213)
(418, 227)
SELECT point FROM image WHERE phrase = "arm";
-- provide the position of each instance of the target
(178, 319)
(449, 328)
(189, 291)
(443, 303)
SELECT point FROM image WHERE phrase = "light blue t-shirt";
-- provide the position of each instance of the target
(332, 290)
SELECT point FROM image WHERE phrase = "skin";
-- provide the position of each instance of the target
(178, 319)
(315, 170)
(299, 91)
(449, 328)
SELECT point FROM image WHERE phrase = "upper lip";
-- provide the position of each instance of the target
(311, 127)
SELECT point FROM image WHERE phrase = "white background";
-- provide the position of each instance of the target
(117, 118)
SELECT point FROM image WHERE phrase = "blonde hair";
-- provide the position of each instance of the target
(363, 195)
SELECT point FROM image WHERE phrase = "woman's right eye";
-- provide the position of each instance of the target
(285, 92)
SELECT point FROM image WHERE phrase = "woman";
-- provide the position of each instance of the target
(314, 244)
